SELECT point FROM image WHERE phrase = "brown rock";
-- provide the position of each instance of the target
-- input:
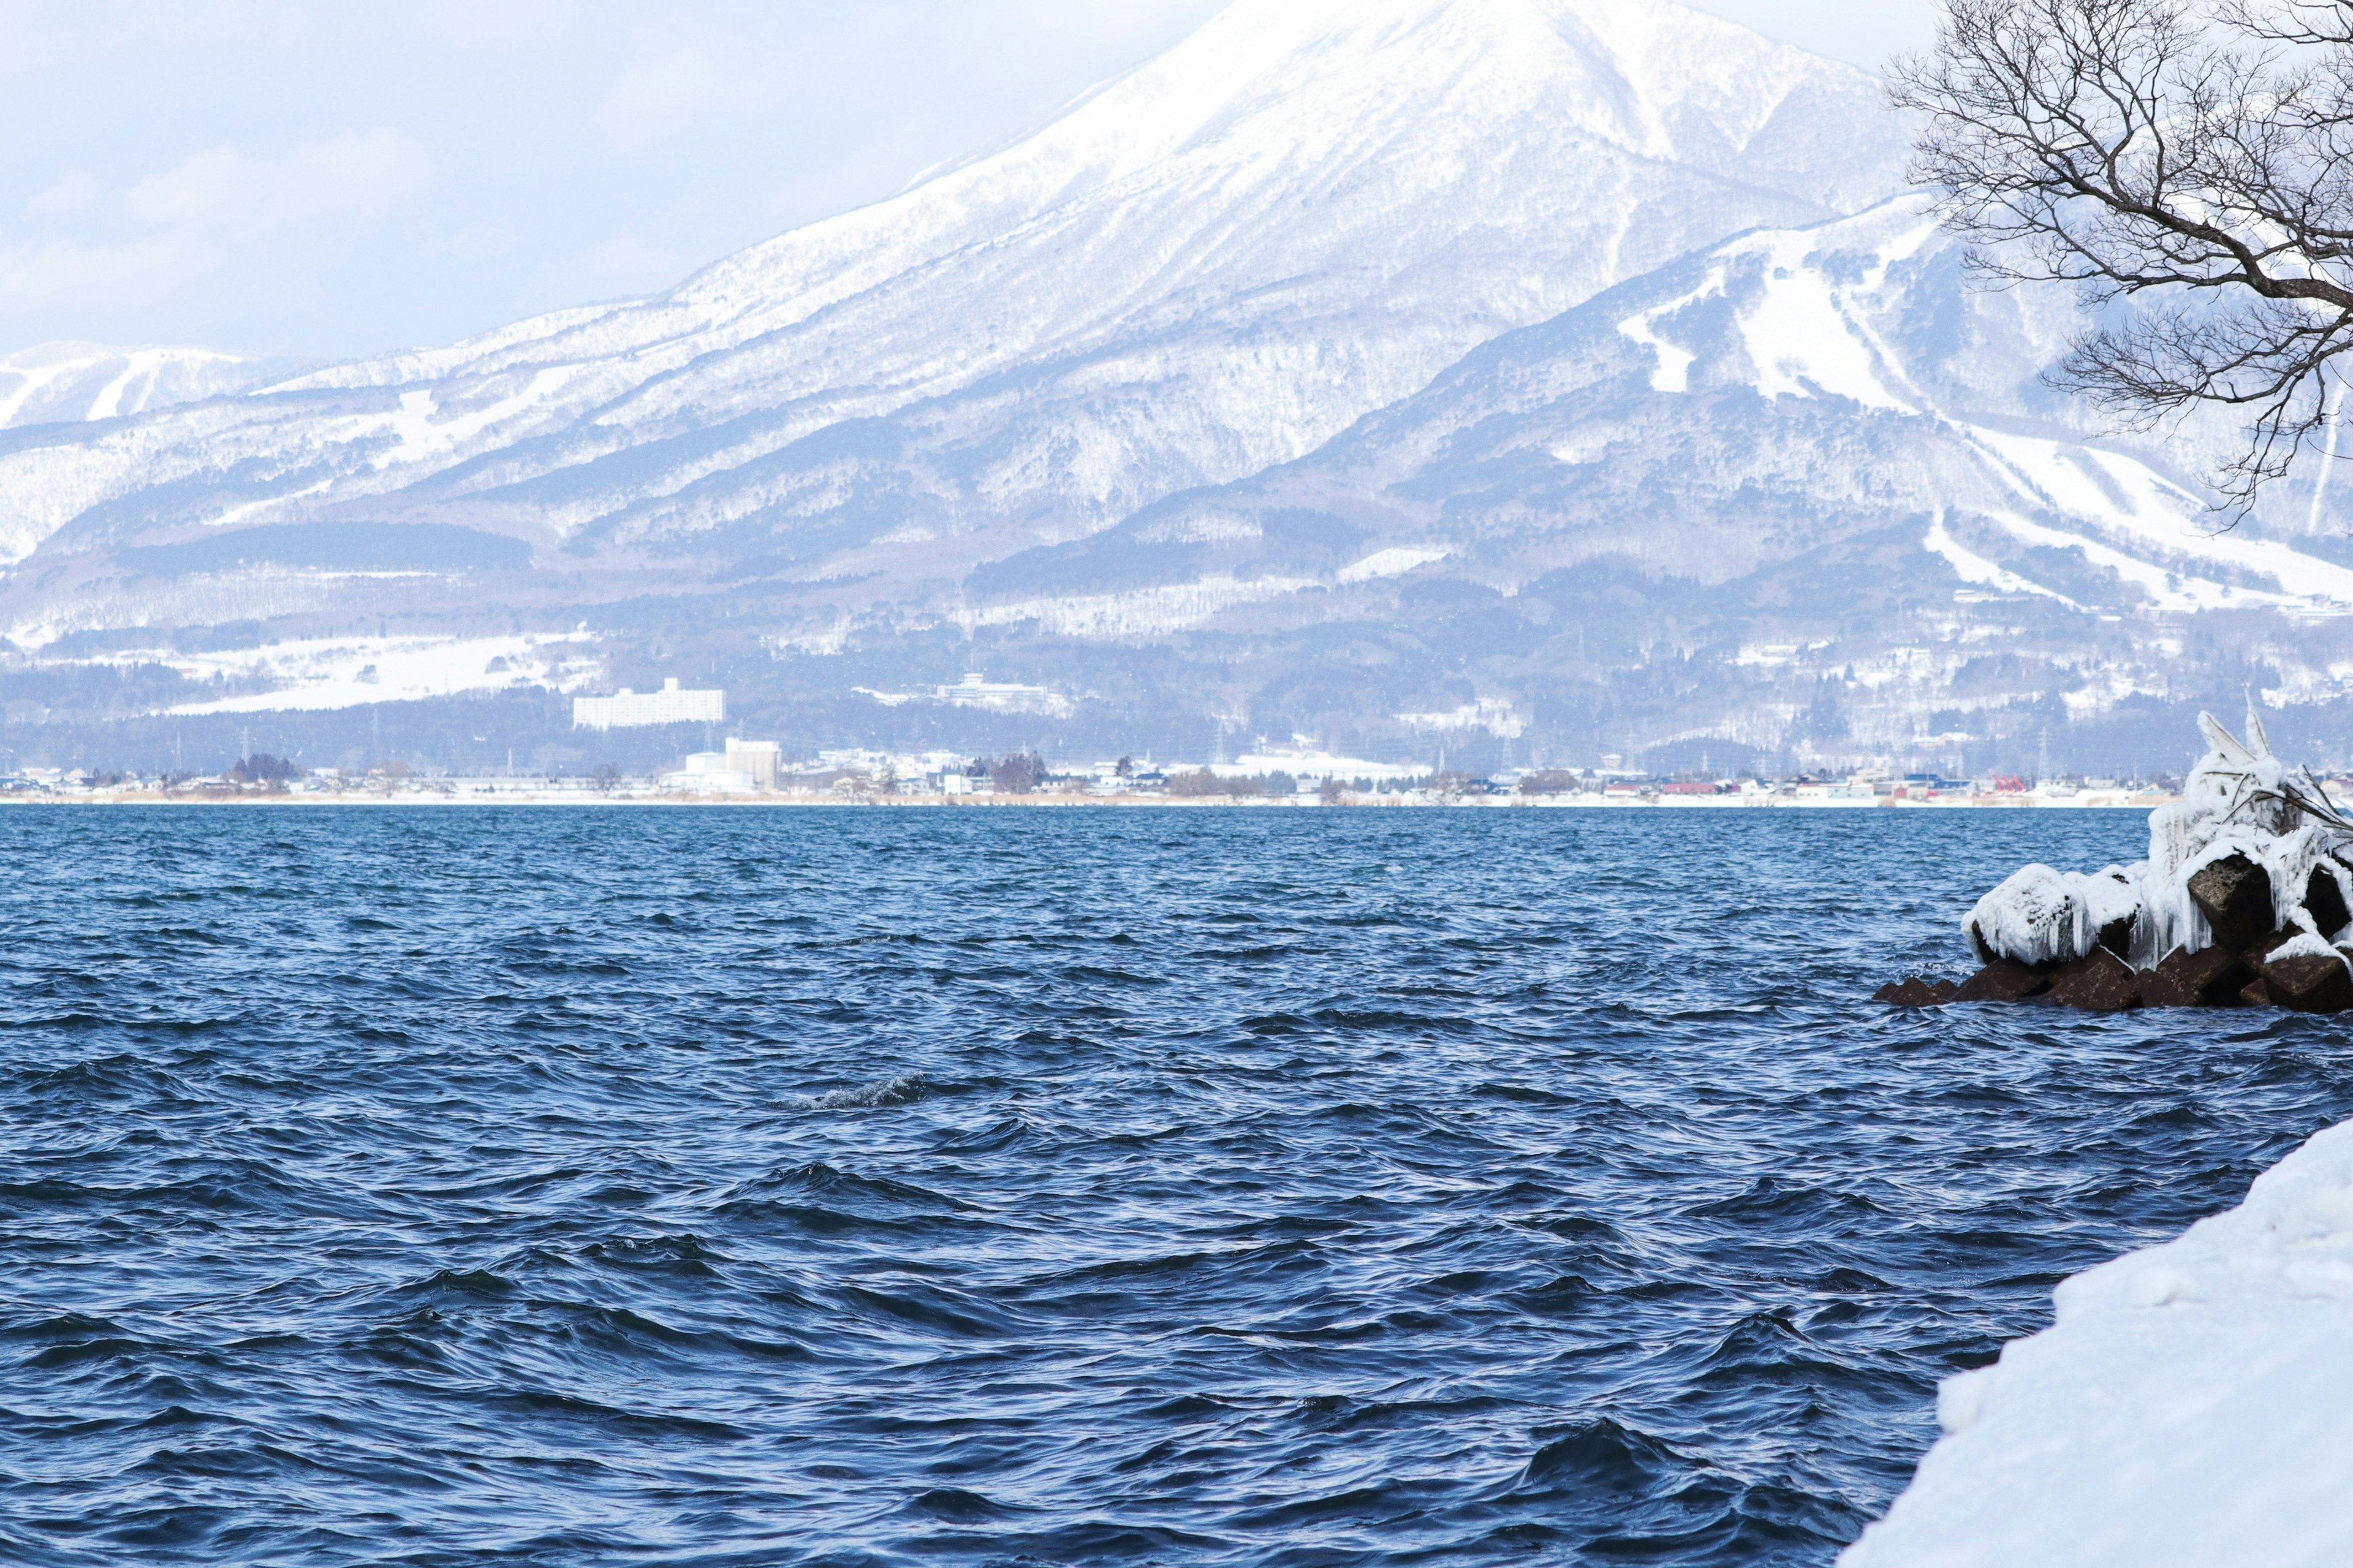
(2324, 900)
(2309, 984)
(2256, 995)
(2235, 896)
(2263, 947)
(2003, 980)
(2102, 982)
(2210, 977)
(1916, 991)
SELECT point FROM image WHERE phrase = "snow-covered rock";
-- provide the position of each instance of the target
(2192, 1406)
(2042, 916)
(2239, 801)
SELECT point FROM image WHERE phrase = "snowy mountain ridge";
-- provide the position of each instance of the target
(51, 383)
(1231, 103)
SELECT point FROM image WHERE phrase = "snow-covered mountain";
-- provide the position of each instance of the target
(1214, 263)
(51, 383)
(1564, 374)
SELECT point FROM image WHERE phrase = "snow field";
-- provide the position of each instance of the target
(351, 672)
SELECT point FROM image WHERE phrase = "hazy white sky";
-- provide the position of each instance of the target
(332, 180)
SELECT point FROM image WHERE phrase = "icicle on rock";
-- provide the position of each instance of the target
(2246, 898)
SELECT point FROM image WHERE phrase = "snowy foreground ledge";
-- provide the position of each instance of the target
(2193, 1405)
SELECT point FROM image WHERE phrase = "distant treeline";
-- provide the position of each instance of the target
(1201, 784)
(262, 768)
(1551, 781)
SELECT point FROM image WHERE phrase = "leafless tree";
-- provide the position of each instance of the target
(1019, 773)
(2189, 165)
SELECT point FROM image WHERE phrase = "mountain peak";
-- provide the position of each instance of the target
(1338, 94)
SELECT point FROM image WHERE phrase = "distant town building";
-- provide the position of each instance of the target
(743, 767)
(707, 772)
(761, 761)
(628, 709)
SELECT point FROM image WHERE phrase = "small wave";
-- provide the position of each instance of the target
(1601, 1457)
(957, 1505)
(909, 1088)
(1563, 1295)
(462, 1284)
(686, 1255)
(81, 1352)
(1770, 1201)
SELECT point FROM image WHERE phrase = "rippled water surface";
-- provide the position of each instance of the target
(990, 1187)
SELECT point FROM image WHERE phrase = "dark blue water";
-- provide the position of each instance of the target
(1046, 1187)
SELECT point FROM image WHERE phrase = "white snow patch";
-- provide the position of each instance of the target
(2042, 916)
(1202, 528)
(239, 513)
(1802, 339)
(1394, 561)
(1672, 373)
(1311, 761)
(2136, 506)
(1976, 569)
(1802, 335)
(30, 380)
(2168, 590)
(137, 374)
(1492, 715)
(107, 404)
(350, 672)
(1140, 612)
(421, 437)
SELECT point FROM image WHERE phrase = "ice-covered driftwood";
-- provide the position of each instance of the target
(2246, 898)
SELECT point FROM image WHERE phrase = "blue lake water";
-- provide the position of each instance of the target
(1006, 1187)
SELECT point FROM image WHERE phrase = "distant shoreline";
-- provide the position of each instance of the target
(575, 799)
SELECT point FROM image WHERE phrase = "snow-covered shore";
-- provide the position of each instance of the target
(2192, 1406)
(2193, 1403)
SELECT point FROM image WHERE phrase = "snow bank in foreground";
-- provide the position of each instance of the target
(2193, 1405)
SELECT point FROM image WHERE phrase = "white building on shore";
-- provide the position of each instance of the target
(628, 709)
(743, 768)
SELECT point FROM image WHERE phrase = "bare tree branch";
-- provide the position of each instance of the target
(2189, 167)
